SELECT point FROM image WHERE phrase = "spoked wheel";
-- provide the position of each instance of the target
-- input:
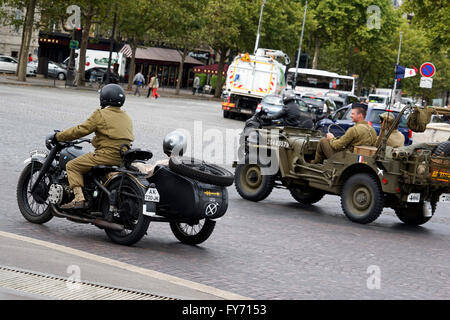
(34, 207)
(413, 213)
(193, 233)
(251, 184)
(362, 198)
(129, 213)
(201, 171)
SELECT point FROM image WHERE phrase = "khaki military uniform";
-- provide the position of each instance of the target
(396, 139)
(112, 127)
(361, 134)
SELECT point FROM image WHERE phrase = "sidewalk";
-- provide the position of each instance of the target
(10, 79)
(50, 266)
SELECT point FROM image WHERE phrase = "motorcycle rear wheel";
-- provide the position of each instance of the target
(29, 206)
(193, 234)
(130, 213)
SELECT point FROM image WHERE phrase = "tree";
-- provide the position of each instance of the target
(27, 23)
(432, 17)
(183, 29)
(137, 19)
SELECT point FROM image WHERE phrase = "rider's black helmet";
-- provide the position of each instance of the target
(288, 96)
(175, 143)
(112, 95)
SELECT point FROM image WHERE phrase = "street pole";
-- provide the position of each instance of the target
(71, 66)
(294, 84)
(398, 61)
(259, 26)
(111, 45)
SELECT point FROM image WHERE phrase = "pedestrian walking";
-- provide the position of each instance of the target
(153, 86)
(196, 85)
(139, 80)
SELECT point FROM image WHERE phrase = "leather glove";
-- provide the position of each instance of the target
(51, 138)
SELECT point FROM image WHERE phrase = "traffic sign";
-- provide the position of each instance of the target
(73, 44)
(427, 69)
(426, 82)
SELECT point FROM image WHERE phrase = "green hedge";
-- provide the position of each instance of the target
(214, 81)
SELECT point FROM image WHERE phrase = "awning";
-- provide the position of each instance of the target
(158, 54)
(211, 69)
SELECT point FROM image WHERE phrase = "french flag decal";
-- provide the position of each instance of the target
(360, 159)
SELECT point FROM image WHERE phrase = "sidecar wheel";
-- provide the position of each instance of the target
(201, 171)
(33, 209)
(193, 234)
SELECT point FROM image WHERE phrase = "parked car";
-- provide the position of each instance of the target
(438, 130)
(9, 65)
(342, 118)
(100, 74)
(56, 70)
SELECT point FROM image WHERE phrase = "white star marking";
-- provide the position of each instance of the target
(380, 171)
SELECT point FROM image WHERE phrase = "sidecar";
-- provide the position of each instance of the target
(185, 199)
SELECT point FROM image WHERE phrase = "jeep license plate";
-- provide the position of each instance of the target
(414, 197)
(246, 111)
(445, 197)
(152, 195)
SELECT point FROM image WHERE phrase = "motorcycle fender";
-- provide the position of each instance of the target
(39, 159)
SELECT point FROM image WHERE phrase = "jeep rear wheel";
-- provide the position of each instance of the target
(251, 184)
(413, 214)
(362, 198)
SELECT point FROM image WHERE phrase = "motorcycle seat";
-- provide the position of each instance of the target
(103, 169)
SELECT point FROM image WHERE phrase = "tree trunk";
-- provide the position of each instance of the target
(132, 65)
(349, 60)
(180, 71)
(316, 53)
(27, 33)
(218, 89)
(83, 46)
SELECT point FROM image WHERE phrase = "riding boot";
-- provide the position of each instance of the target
(78, 202)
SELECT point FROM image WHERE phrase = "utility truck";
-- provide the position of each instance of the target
(250, 78)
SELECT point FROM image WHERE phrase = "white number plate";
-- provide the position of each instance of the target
(148, 212)
(445, 197)
(246, 111)
(414, 197)
(152, 195)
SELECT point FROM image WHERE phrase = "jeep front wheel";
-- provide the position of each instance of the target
(362, 198)
(251, 184)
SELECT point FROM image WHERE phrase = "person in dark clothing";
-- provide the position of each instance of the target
(290, 115)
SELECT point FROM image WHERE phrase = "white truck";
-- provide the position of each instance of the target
(250, 78)
(99, 59)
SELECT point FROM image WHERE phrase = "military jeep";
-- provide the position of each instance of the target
(411, 180)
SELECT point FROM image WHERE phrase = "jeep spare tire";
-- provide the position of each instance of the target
(201, 171)
(442, 150)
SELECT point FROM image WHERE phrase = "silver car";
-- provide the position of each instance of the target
(56, 71)
(9, 65)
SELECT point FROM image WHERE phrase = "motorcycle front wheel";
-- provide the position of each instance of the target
(34, 207)
(129, 212)
(193, 234)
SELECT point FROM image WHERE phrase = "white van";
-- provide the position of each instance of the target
(99, 59)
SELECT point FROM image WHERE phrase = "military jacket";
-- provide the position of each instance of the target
(112, 127)
(361, 134)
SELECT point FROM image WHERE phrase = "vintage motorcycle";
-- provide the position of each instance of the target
(188, 193)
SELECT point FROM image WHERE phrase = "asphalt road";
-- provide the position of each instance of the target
(275, 249)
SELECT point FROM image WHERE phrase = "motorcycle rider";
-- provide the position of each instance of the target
(290, 114)
(112, 127)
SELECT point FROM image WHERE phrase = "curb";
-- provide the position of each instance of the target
(45, 85)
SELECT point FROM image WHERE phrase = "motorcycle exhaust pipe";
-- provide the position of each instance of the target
(103, 224)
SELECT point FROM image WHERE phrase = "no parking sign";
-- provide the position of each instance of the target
(427, 70)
